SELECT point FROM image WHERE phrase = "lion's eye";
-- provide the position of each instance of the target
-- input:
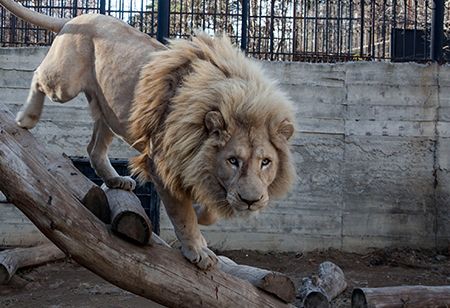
(265, 162)
(233, 161)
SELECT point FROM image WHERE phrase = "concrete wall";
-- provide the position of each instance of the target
(372, 154)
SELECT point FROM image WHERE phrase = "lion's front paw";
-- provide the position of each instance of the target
(121, 182)
(26, 120)
(200, 255)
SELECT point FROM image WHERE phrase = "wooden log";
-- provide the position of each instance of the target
(81, 187)
(128, 218)
(13, 259)
(96, 202)
(157, 273)
(274, 283)
(401, 296)
(318, 291)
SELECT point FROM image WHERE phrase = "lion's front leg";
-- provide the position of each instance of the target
(184, 220)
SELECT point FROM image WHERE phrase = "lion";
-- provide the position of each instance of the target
(212, 129)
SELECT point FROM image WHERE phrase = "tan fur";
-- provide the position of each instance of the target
(175, 93)
(197, 104)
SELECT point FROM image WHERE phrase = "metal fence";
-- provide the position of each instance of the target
(295, 30)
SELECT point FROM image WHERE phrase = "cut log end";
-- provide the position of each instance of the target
(5, 275)
(132, 227)
(358, 299)
(96, 202)
(316, 300)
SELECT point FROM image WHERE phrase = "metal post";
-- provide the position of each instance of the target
(162, 32)
(103, 7)
(361, 34)
(244, 24)
(437, 30)
(75, 8)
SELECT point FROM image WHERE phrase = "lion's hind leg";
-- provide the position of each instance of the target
(30, 113)
(102, 137)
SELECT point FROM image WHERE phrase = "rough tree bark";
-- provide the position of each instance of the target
(85, 191)
(157, 273)
(403, 296)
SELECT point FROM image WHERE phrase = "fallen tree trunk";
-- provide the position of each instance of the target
(274, 283)
(60, 167)
(157, 273)
(13, 259)
(128, 218)
(402, 296)
(318, 291)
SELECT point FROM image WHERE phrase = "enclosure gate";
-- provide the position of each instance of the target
(294, 30)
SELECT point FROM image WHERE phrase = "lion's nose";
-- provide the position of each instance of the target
(249, 202)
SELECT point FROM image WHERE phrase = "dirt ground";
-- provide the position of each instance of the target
(66, 284)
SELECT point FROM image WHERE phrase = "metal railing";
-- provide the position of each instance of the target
(295, 30)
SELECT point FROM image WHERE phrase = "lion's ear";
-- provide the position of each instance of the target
(214, 122)
(286, 129)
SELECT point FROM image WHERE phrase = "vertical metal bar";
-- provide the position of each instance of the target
(162, 32)
(327, 24)
(192, 16)
(259, 28)
(305, 31)
(294, 28)
(244, 24)
(437, 30)
(226, 15)
(372, 38)
(361, 36)
(405, 18)
(272, 13)
(338, 30)
(12, 38)
(425, 41)
(383, 30)
(350, 30)
(415, 31)
(2, 26)
(204, 16)
(141, 17)
(181, 19)
(75, 8)
(281, 36)
(316, 25)
(215, 16)
(37, 30)
(102, 7)
(153, 18)
(393, 30)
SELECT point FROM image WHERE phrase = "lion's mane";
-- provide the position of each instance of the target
(176, 90)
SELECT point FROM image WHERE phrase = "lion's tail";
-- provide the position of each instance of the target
(50, 23)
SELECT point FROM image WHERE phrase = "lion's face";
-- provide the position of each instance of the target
(247, 162)
(246, 167)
